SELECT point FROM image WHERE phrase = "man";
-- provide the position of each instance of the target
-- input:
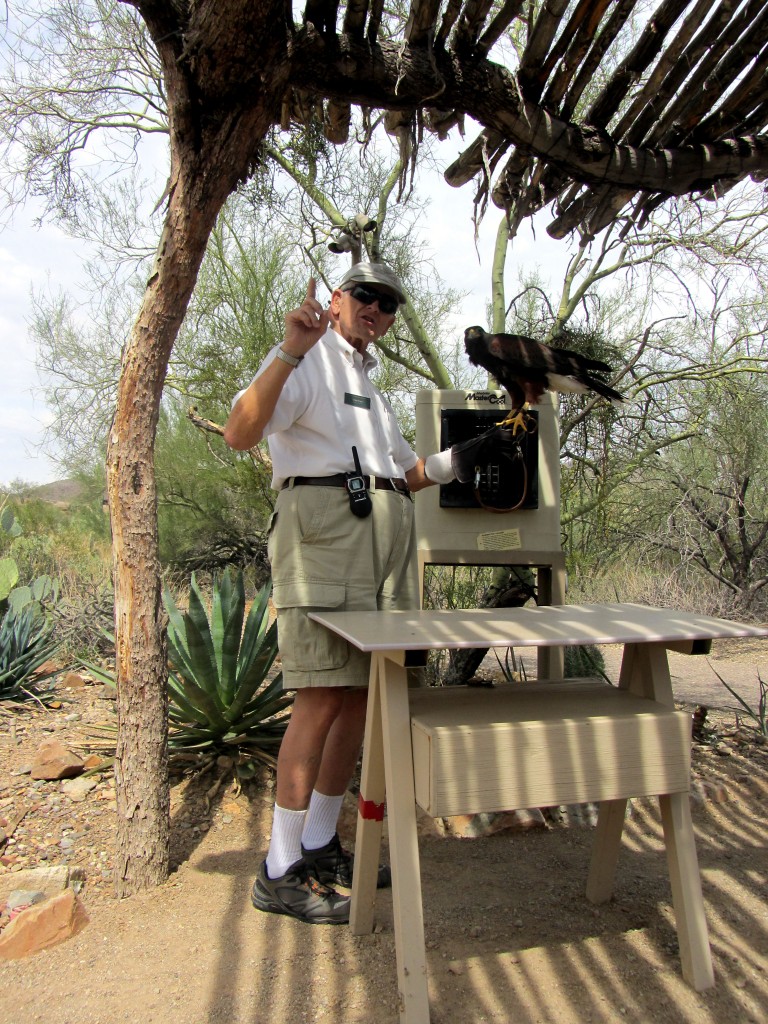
(313, 400)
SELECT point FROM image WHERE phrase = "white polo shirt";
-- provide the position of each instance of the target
(328, 404)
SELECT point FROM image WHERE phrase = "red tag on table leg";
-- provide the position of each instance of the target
(369, 810)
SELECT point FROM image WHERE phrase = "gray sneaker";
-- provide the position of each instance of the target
(334, 865)
(299, 894)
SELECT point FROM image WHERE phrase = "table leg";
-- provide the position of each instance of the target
(370, 814)
(403, 842)
(550, 661)
(605, 852)
(645, 671)
(687, 899)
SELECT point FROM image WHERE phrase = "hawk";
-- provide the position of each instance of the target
(526, 369)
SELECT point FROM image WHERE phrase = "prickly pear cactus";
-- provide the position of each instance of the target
(9, 577)
(9, 570)
(9, 523)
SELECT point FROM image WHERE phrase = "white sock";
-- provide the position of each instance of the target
(285, 843)
(322, 816)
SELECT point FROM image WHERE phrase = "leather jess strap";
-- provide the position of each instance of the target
(380, 483)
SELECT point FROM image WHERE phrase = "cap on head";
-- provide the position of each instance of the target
(374, 273)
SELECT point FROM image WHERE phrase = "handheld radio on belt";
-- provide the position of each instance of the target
(359, 498)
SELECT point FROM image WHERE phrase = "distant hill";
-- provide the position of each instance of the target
(60, 492)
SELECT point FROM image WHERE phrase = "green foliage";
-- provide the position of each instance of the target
(219, 692)
(68, 544)
(584, 661)
(702, 505)
(41, 592)
(26, 642)
(214, 504)
(61, 554)
(456, 586)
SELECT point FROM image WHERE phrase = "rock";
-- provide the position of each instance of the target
(78, 789)
(523, 820)
(73, 681)
(473, 826)
(92, 761)
(50, 880)
(48, 668)
(108, 692)
(54, 761)
(706, 791)
(584, 815)
(24, 898)
(42, 926)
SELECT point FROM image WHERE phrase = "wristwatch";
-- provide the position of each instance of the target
(288, 358)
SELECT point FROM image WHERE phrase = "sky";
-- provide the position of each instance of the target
(43, 257)
(31, 259)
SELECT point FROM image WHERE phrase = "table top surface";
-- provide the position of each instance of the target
(545, 626)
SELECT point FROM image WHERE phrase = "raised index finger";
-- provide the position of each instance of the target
(311, 289)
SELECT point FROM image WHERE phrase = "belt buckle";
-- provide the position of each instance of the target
(399, 487)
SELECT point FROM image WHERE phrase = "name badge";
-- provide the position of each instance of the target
(360, 401)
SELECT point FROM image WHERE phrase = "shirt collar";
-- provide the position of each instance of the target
(335, 342)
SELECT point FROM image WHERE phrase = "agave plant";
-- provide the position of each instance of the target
(218, 688)
(26, 642)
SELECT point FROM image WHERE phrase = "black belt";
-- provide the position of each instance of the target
(380, 483)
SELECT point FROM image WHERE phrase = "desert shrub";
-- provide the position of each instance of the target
(661, 586)
(70, 545)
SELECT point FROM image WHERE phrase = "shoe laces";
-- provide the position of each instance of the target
(313, 883)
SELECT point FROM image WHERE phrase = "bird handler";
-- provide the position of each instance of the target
(341, 538)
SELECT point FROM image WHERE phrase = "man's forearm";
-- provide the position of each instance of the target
(416, 478)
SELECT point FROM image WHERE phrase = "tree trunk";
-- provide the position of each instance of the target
(214, 142)
(141, 763)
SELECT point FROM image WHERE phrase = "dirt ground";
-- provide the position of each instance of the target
(510, 935)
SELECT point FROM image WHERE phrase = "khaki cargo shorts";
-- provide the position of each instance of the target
(324, 558)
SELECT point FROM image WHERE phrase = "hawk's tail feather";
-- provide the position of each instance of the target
(582, 384)
(606, 392)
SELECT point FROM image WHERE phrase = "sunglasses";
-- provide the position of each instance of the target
(387, 303)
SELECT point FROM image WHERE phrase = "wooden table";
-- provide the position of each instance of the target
(465, 750)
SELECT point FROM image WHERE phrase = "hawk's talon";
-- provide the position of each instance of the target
(518, 421)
